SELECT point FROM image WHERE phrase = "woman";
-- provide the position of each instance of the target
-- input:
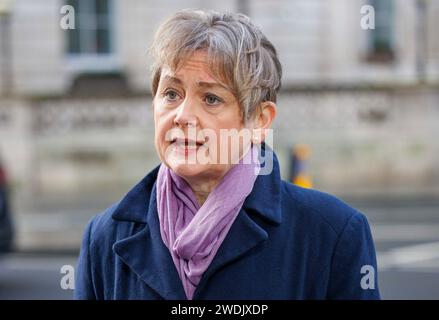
(214, 220)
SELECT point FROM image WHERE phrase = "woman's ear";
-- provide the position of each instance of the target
(264, 117)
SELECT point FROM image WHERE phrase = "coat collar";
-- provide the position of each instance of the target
(150, 259)
(264, 200)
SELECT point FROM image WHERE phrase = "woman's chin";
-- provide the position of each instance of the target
(184, 169)
(183, 166)
(193, 164)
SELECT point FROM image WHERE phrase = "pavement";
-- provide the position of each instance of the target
(406, 234)
(35, 276)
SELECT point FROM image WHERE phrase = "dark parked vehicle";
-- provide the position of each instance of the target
(6, 230)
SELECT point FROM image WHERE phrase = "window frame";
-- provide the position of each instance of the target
(386, 55)
(94, 62)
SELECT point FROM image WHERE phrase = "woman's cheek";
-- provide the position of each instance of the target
(160, 131)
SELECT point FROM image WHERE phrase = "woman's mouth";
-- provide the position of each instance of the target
(185, 146)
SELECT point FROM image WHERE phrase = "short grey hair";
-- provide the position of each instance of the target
(239, 55)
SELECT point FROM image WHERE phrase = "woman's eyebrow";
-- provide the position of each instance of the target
(172, 80)
(211, 85)
(202, 84)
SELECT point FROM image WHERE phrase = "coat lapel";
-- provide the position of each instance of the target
(152, 263)
(245, 234)
(144, 252)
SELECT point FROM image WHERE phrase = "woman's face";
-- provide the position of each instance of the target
(199, 132)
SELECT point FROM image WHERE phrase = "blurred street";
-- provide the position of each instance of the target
(406, 234)
(34, 276)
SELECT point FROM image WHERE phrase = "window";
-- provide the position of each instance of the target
(381, 39)
(92, 35)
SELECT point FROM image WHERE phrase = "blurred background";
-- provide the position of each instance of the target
(358, 117)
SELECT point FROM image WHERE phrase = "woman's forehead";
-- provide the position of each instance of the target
(206, 68)
(191, 69)
(197, 61)
(199, 73)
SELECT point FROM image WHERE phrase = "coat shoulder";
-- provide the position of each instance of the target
(317, 207)
(103, 228)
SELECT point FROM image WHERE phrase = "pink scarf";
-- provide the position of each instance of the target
(193, 234)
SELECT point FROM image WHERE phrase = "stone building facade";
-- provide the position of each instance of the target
(75, 109)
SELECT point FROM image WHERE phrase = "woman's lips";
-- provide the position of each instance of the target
(185, 146)
(186, 142)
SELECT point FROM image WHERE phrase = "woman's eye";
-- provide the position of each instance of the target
(171, 95)
(212, 100)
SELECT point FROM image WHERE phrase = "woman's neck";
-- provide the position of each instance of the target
(203, 186)
(203, 189)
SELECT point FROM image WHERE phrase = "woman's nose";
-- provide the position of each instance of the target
(186, 113)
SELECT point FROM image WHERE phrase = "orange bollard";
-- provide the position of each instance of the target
(299, 173)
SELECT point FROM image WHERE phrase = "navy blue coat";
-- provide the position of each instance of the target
(286, 243)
